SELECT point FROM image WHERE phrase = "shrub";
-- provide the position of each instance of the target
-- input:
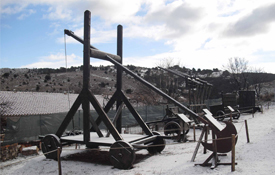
(6, 75)
(129, 91)
(267, 97)
(37, 88)
(47, 77)
(102, 84)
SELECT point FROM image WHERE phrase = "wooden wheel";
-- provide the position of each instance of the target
(50, 143)
(122, 155)
(237, 116)
(224, 142)
(159, 142)
(173, 129)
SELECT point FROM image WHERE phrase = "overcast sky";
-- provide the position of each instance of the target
(192, 33)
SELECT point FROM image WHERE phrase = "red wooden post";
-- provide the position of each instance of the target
(59, 162)
(233, 153)
(205, 138)
(215, 154)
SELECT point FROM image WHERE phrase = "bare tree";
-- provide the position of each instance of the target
(257, 80)
(238, 67)
(166, 63)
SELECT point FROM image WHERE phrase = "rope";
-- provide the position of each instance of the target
(66, 64)
(240, 129)
(233, 113)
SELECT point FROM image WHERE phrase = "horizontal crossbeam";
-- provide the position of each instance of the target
(94, 52)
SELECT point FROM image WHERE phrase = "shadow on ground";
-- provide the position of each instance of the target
(99, 157)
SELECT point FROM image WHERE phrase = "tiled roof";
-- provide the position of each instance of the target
(37, 103)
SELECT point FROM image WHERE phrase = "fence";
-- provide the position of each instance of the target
(28, 128)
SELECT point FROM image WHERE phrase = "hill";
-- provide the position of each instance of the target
(103, 81)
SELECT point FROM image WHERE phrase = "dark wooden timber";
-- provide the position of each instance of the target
(86, 97)
(203, 86)
(94, 52)
(69, 116)
(136, 116)
(104, 117)
(102, 55)
(119, 75)
(86, 76)
(152, 87)
(108, 106)
(70, 33)
(117, 115)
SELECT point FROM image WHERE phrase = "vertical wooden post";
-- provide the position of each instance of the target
(86, 76)
(252, 112)
(233, 153)
(181, 127)
(194, 131)
(215, 154)
(156, 127)
(59, 162)
(246, 129)
(231, 117)
(205, 139)
(119, 74)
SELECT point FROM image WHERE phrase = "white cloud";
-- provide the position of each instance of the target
(201, 33)
(255, 23)
(11, 7)
(26, 14)
(266, 66)
(56, 61)
(153, 32)
(57, 57)
(178, 18)
(58, 13)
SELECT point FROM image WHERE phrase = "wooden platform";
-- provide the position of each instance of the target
(102, 141)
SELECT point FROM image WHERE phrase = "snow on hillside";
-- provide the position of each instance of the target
(213, 74)
(256, 157)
